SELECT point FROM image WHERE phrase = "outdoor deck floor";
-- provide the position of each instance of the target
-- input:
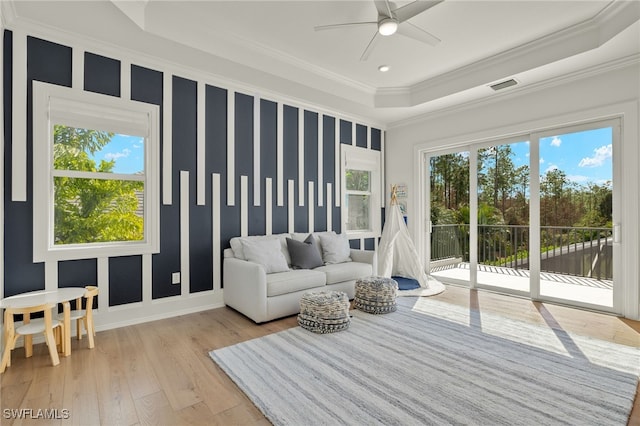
(584, 290)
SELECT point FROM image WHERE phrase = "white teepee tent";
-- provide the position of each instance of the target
(397, 255)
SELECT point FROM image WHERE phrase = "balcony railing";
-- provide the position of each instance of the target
(582, 252)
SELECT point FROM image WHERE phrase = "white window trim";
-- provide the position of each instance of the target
(100, 112)
(353, 157)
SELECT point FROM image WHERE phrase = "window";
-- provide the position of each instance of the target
(361, 192)
(95, 175)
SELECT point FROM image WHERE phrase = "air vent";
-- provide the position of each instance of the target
(503, 84)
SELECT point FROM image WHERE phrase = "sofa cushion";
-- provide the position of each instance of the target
(305, 254)
(238, 252)
(340, 272)
(294, 280)
(266, 253)
(335, 248)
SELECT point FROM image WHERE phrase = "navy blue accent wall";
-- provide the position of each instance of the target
(354, 244)
(52, 63)
(125, 280)
(345, 132)
(101, 74)
(77, 273)
(376, 139)
(290, 155)
(200, 227)
(20, 274)
(361, 136)
(369, 244)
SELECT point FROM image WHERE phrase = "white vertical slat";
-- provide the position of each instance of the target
(383, 186)
(290, 205)
(103, 284)
(329, 208)
(257, 180)
(147, 279)
(301, 156)
(51, 275)
(361, 243)
(280, 155)
(167, 149)
(184, 232)
(320, 159)
(268, 205)
(19, 122)
(125, 80)
(353, 133)
(77, 68)
(310, 206)
(368, 137)
(244, 206)
(231, 148)
(215, 226)
(201, 145)
(336, 163)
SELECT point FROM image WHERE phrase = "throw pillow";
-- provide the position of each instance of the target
(266, 253)
(306, 254)
(335, 248)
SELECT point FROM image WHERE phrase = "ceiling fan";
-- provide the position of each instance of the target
(392, 19)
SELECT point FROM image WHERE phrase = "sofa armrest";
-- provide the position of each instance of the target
(245, 288)
(366, 256)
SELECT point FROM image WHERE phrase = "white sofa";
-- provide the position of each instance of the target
(263, 296)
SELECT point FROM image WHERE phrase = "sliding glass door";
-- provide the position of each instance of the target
(577, 215)
(534, 215)
(503, 216)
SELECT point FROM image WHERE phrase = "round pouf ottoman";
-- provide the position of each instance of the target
(324, 312)
(376, 295)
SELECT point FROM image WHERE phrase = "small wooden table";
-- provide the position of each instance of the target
(35, 298)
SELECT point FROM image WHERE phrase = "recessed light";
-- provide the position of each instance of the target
(383, 68)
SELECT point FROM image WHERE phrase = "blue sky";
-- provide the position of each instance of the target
(128, 151)
(583, 156)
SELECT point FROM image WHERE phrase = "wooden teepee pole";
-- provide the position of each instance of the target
(394, 196)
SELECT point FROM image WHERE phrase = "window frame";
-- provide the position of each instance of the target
(53, 105)
(357, 158)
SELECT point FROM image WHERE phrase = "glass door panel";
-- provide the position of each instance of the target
(576, 217)
(503, 217)
(449, 217)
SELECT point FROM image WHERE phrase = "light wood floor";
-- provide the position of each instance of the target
(160, 372)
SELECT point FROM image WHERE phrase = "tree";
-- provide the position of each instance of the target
(92, 210)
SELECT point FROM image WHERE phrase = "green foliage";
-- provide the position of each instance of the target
(92, 210)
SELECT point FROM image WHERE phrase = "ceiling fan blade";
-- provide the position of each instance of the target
(412, 9)
(383, 6)
(407, 29)
(345, 25)
(370, 46)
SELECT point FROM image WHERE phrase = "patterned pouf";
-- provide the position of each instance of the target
(324, 312)
(376, 295)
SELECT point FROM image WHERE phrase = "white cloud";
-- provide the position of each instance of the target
(115, 155)
(556, 141)
(550, 168)
(600, 155)
(541, 160)
(578, 178)
(135, 145)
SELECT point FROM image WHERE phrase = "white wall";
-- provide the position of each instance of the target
(580, 98)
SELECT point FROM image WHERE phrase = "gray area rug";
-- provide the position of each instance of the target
(431, 362)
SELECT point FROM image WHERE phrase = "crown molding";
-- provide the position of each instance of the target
(628, 61)
(7, 13)
(581, 37)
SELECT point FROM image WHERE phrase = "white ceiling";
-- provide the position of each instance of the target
(273, 45)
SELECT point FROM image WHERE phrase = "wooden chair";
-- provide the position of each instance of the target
(84, 316)
(45, 325)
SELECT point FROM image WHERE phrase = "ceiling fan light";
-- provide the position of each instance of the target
(387, 26)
